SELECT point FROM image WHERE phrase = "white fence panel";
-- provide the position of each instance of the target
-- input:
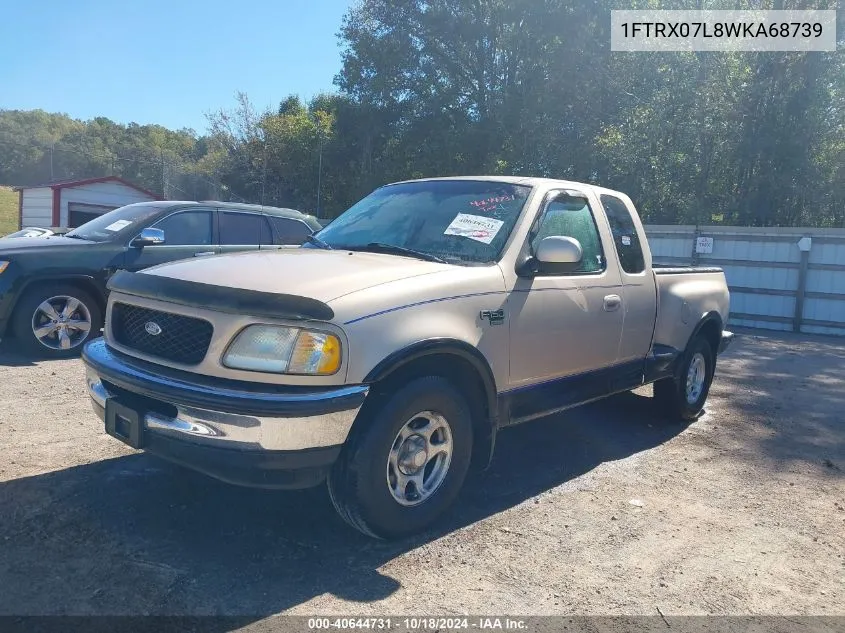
(775, 283)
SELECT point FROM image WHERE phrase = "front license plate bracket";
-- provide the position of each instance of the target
(124, 423)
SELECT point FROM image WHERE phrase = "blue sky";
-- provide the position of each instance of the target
(165, 61)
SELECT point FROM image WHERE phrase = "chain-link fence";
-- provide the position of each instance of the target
(164, 172)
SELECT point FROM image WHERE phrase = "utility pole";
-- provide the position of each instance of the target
(320, 172)
(163, 181)
(52, 145)
(264, 174)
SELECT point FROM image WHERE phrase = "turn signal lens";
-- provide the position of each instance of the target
(315, 353)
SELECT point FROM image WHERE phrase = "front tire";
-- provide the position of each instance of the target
(405, 466)
(56, 320)
(683, 397)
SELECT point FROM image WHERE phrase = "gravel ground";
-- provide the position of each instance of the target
(741, 512)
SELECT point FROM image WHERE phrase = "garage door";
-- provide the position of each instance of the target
(80, 213)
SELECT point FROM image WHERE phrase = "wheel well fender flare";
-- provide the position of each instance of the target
(403, 358)
(711, 320)
(440, 346)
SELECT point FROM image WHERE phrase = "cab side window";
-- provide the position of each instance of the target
(187, 228)
(243, 229)
(625, 235)
(571, 217)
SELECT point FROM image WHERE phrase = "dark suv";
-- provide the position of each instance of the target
(53, 289)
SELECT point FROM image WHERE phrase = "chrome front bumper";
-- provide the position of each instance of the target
(222, 414)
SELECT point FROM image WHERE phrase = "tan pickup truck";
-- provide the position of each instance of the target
(385, 354)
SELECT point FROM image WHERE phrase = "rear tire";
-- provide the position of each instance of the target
(682, 398)
(406, 464)
(56, 320)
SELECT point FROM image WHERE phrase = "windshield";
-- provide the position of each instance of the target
(459, 221)
(116, 224)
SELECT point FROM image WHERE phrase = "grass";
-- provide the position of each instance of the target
(8, 210)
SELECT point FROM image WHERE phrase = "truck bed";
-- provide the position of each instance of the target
(685, 295)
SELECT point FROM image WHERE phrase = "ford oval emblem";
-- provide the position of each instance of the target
(152, 328)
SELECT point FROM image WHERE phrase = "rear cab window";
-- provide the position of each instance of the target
(625, 236)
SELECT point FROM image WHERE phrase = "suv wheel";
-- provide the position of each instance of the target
(405, 467)
(55, 321)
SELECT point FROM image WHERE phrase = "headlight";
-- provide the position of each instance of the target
(3, 266)
(284, 350)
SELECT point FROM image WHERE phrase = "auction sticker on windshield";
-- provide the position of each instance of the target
(475, 227)
(120, 224)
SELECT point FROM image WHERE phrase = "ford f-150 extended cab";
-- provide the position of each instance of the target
(384, 355)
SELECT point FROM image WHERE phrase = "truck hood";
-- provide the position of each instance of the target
(319, 274)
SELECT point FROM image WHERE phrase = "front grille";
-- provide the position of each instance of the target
(179, 338)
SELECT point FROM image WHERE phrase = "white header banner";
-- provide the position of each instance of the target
(765, 31)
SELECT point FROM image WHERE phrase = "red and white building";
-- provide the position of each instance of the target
(73, 203)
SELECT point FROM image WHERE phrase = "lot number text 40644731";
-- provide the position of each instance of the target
(419, 624)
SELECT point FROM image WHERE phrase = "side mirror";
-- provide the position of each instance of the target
(149, 237)
(557, 249)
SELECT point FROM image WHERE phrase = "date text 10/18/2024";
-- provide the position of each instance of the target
(418, 624)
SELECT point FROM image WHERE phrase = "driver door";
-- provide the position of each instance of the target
(566, 322)
(187, 233)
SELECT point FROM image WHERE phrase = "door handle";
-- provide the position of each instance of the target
(612, 303)
(204, 254)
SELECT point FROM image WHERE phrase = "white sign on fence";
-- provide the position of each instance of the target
(805, 244)
(704, 245)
